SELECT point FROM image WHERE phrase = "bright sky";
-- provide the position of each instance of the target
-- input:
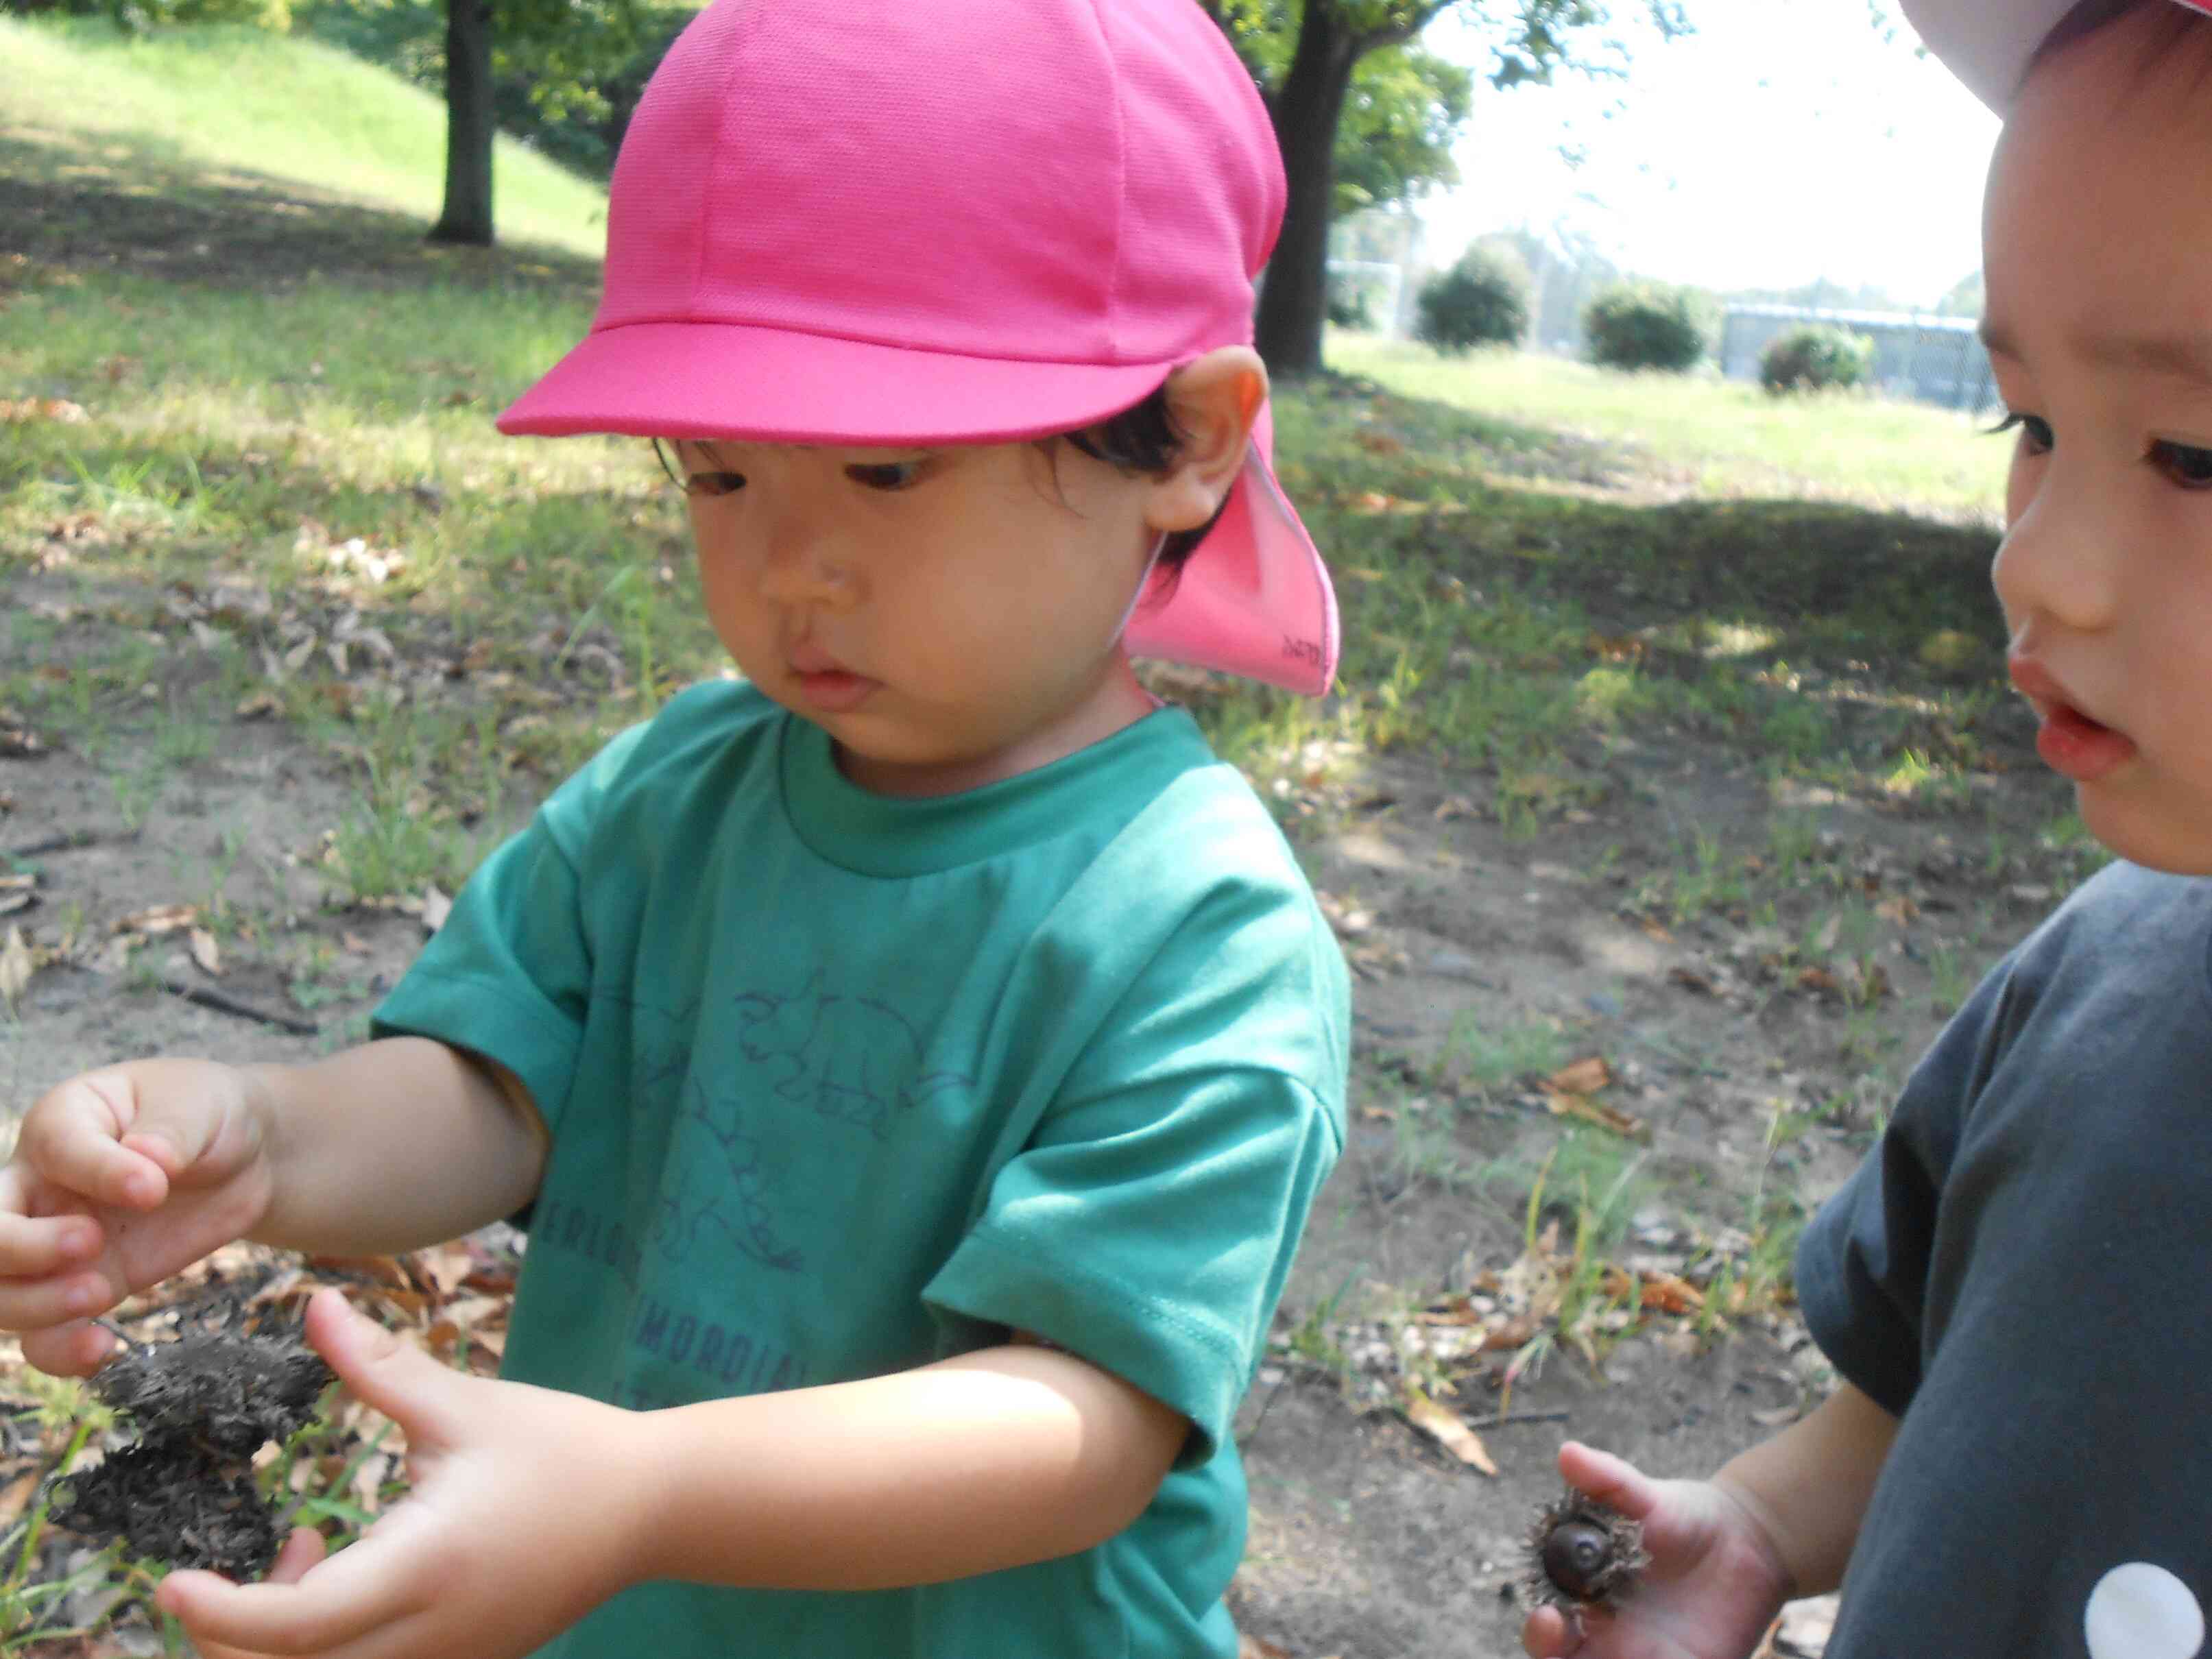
(1785, 140)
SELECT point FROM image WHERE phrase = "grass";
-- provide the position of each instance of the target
(282, 489)
(224, 102)
(1718, 438)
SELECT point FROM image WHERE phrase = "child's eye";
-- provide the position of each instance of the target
(714, 483)
(2036, 436)
(2184, 463)
(889, 476)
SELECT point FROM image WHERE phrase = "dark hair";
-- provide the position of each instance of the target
(2088, 16)
(1142, 438)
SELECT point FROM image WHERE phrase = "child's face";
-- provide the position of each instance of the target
(2098, 245)
(951, 617)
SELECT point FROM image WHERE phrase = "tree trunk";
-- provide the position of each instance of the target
(1294, 301)
(469, 125)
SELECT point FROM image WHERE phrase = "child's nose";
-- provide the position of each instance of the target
(801, 569)
(2061, 561)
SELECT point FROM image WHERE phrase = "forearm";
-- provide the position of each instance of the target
(994, 1459)
(1809, 1486)
(394, 1144)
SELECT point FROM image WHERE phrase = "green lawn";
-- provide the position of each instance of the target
(243, 101)
(1723, 437)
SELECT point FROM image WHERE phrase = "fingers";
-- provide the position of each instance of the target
(76, 1138)
(1611, 1479)
(301, 1551)
(1546, 1634)
(397, 1378)
(333, 1602)
(76, 1349)
(31, 1243)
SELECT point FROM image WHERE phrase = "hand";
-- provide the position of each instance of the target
(121, 1177)
(526, 1513)
(301, 1551)
(1713, 1587)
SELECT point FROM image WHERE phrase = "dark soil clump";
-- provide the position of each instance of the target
(200, 1407)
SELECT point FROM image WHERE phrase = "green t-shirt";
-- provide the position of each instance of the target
(840, 1084)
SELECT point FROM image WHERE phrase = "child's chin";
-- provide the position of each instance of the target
(2178, 843)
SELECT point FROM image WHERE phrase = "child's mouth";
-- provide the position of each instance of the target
(2072, 742)
(833, 691)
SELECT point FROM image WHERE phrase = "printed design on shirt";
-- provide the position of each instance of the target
(855, 1060)
(715, 1188)
(2141, 1611)
(714, 1185)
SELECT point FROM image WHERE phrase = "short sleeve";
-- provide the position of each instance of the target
(1865, 1262)
(1150, 1231)
(507, 974)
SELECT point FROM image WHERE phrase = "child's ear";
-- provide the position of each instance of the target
(1212, 401)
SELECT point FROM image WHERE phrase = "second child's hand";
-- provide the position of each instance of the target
(1713, 1589)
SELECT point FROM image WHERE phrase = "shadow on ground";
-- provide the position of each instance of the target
(135, 203)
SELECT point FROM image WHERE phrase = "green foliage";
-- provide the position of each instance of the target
(1349, 306)
(1406, 104)
(1481, 300)
(566, 76)
(1394, 142)
(137, 16)
(1646, 325)
(1816, 358)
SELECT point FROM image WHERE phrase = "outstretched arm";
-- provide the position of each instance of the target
(532, 1506)
(1776, 1522)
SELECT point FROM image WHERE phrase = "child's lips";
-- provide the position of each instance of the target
(828, 686)
(2071, 742)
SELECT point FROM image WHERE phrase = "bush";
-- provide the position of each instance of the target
(1645, 325)
(1814, 359)
(1481, 300)
(1349, 306)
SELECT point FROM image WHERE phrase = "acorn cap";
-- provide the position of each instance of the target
(1582, 1554)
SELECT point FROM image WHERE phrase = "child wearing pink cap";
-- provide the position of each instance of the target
(915, 1060)
(2013, 1463)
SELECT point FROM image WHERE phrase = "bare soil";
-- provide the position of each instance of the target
(1368, 1540)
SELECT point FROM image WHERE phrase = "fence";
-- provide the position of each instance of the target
(1933, 359)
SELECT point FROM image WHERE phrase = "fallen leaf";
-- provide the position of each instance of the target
(16, 966)
(1669, 1293)
(1581, 1107)
(1690, 980)
(160, 919)
(436, 907)
(1581, 1077)
(202, 945)
(1447, 1430)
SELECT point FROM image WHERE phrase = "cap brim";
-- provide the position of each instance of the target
(774, 385)
(1987, 44)
(1254, 598)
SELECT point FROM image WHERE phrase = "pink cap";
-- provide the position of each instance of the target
(875, 222)
(1988, 43)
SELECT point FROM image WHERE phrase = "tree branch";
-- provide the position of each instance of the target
(1396, 34)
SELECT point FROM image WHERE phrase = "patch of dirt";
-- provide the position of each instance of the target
(1368, 1540)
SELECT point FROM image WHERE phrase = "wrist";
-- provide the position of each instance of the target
(641, 1492)
(1762, 1534)
(263, 1090)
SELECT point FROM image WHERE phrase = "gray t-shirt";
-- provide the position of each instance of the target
(2020, 1270)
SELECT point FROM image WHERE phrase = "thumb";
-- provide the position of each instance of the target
(1608, 1478)
(381, 1370)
